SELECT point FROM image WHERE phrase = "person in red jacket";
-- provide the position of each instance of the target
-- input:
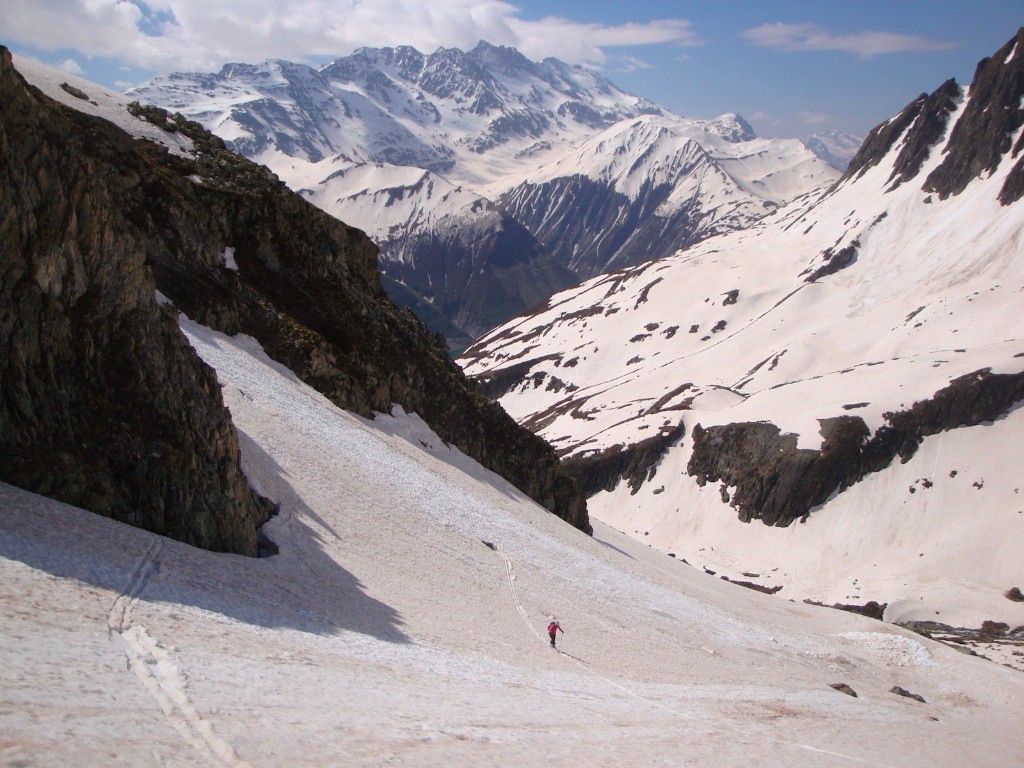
(553, 629)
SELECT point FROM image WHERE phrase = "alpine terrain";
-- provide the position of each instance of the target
(826, 403)
(490, 181)
(834, 147)
(190, 348)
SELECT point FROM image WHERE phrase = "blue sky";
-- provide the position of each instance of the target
(789, 66)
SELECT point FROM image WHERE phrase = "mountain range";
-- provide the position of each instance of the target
(318, 544)
(149, 218)
(849, 368)
(490, 181)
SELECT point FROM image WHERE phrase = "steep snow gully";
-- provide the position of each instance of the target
(387, 632)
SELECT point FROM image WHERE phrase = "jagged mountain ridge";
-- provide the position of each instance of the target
(770, 369)
(487, 122)
(227, 244)
(649, 186)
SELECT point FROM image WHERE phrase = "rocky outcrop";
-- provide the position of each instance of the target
(306, 286)
(982, 137)
(921, 124)
(834, 261)
(926, 131)
(591, 228)
(984, 133)
(777, 483)
(103, 403)
(872, 608)
(635, 463)
(479, 271)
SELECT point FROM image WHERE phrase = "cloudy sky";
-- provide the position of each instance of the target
(791, 67)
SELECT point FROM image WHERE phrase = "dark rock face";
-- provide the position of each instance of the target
(904, 692)
(778, 483)
(591, 229)
(872, 609)
(984, 133)
(882, 138)
(103, 403)
(834, 261)
(926, 131)
(635, 463)
(307, 288)
(479, 274)
(843, 688)
(924, 121)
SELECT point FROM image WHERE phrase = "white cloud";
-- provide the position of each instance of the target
(200, 34)
(814, 118)
(70, 66)
(630, 64)
(123, 85)
(811, 37)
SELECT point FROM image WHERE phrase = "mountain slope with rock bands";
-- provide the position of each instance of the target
(102, 228)
(796, 367)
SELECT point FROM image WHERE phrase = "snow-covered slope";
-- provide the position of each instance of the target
(544, 140)
(388, 631)
(771, 368)
(474, 115)
(648, 186)
(458, 251)
(834, 147)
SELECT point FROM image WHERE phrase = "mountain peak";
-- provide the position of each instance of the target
(500, 58)
(732, 127)
(984, 135)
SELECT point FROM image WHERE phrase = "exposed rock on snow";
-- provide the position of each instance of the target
(843, 688)
(904, 692)
(985, 134)
(777, 482)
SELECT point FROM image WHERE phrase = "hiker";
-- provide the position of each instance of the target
(553, 629)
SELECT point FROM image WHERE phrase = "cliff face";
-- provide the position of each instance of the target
(777, 483)
(985, 133)
(103, 403)
(232, 249)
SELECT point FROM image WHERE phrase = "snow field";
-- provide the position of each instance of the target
(386, 632)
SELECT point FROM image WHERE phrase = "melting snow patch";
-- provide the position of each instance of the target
(892, 650)
(229, 258)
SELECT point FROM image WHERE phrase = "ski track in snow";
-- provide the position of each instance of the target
(158, 671)
(577, 661)
(668, 666)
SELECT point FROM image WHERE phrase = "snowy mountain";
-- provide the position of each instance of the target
(396, 613)
(403, 619)
(778, 373)
(508, 143)
(834, 147)
(646, 187)
(120, 218)
(465, 255)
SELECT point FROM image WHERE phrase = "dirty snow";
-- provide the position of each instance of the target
(386, 632)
